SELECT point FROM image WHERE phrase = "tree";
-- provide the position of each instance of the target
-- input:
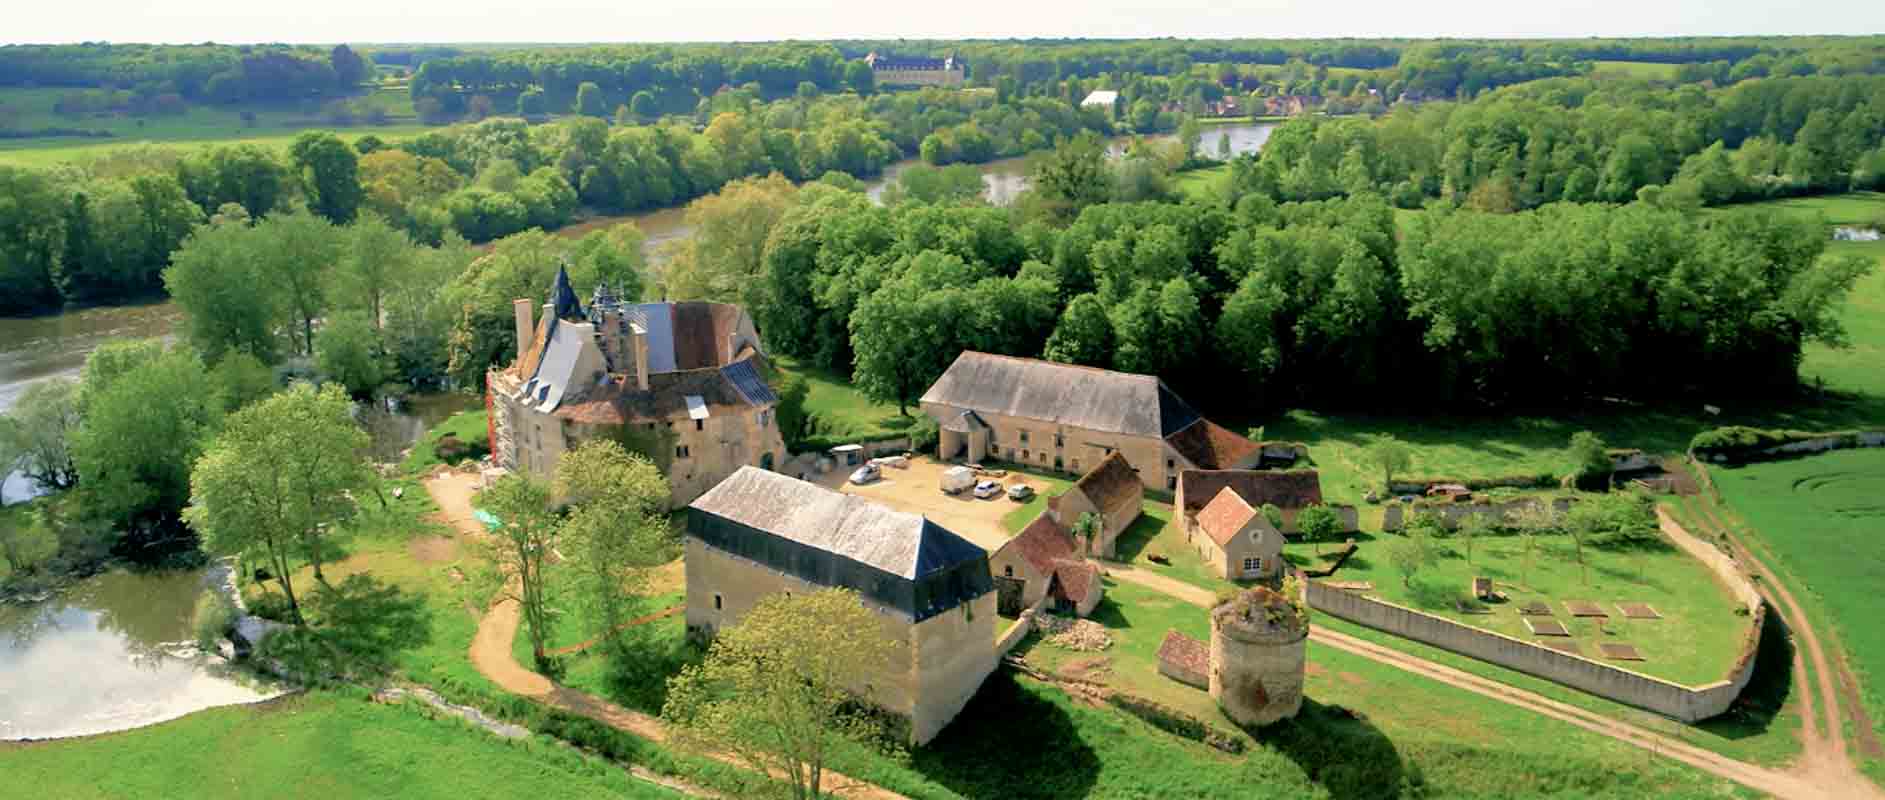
(26, 542)
(1223, 146)
(531, 103)
(1590, 459)
(617, 527)
(1072, 176)
(347, 351)
(1084, 334)
(790, 413)
(1471, 528)
(1583, 521)
(230, 303)
(330, 175)
(296, 253)
(781, 689)
(241, 379)
(724, 259)
(642, 105)
(372, 254)
(349, 68)
(1391, 456)
(281, 473)
(36, 434)
(525, 534)
(1534, 519)
(860, 77)
(140, 433)
(1318, 523)
(590, 102)
(1409, 554)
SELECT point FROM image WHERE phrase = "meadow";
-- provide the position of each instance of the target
(1637, 70)
(322, 744)
(1822, 519)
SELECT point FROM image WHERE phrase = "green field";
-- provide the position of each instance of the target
(1823, 520)
(1644, 70)
(840, 413)
(274, 125)
(1203, 185)
(319, 745)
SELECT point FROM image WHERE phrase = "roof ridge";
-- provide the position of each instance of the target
(1138, 375)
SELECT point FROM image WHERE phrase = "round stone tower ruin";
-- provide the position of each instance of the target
(1257, 646)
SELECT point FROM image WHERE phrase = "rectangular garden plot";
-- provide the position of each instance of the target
(1546, 627)
(1638, 611)
(1620, 652)
(1584, 608)
(1563, 646)
(1535, 609)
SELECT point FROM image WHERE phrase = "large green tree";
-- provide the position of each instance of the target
(616, 530)
(520, 546)
(330, 175)
(140, 434)
(36, 434)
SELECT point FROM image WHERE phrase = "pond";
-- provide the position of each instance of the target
(112, 652)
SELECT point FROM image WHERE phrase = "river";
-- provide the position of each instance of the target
(112, 652)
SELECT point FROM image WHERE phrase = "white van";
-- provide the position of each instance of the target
(956, 480)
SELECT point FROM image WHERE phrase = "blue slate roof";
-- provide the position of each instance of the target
(749, 383)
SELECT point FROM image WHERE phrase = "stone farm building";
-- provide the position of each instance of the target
(1236, 539)
(1113, 492)
(1069, 418)
(758, 533)
(687, 379)
(1289, 490)
(1044, 563)
(893, 71)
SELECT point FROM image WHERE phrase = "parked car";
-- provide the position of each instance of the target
(987, 489)
(898, 462)
(866, 474)
(1020, 492)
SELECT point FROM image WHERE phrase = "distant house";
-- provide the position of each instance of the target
(1068, 418)
(1112, 491)
(1289, 490)
(1045, 561)
(760, 533)
(1288, 105)
(1104, 99)
(1237, 540)
(897, 71)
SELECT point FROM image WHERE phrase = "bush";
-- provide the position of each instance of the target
(1177, 723)
(271, 606)
(1741, 442)
(212, 620)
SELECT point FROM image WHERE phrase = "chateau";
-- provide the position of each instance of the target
(888, 71)
(684, 380)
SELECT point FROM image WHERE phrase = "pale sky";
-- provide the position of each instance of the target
(367, 21)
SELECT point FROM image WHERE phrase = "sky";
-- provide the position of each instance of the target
(369, 21)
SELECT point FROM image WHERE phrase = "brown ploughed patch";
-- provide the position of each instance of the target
(1638, 611)
(1546, 627)
(1584, 608)
(1620, 652)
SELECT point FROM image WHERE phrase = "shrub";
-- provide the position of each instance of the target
(271, 606)
(1177, 723)
(212, 620)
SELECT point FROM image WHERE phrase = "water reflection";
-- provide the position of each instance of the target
(112, 653)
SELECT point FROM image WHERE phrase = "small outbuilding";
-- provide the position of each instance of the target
(1113, 491)
(1044, 562)
(1237, 540)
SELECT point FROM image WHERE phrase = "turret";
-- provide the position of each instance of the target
(1257, 655)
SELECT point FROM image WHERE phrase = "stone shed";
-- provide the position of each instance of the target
(1113, 491)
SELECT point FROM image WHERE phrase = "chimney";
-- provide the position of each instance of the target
(641, 358)
(1079, 544)
(525, 327)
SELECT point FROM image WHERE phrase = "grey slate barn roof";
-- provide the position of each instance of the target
(1079, 397)
(897, 559)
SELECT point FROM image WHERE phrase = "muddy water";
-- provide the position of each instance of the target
(113, 652)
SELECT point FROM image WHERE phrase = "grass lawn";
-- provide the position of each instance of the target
(840, 413)
(1820, 518)
(1203, 185)
(469, 426)
(275, 125)
(1695, 642)
(318, 745)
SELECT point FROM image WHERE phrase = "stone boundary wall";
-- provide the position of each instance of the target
(1804, 447)
(1395, 516)
(1019, 629)
(1685, 703)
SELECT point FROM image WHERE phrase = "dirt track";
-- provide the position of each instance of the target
(491, 654)
(1779, 784)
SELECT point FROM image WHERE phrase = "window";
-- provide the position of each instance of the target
(1076, 465)
(1007, 571)
(1024, 437)
(1253, 565)
(700, 424)
(1059, 440)
(1058, 466)
(1024, 455)
(680, 451)
(1170, 465)
(1171, 484)
(716, 602)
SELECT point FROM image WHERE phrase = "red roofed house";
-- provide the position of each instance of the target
(1236, 539)
(1289, 490)
(1043, 561)
(1185, 660)
(1113, 491)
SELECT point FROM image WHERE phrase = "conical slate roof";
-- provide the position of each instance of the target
(563, 297)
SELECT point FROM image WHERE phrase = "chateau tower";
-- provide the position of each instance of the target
(1257, 656)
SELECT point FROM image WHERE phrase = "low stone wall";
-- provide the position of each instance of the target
(1451, 514)
(1019, 630)
(1686, 703)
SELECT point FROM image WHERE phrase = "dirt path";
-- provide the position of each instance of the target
(642, 620)
(491, 654)
(1779, 784)
(1826, 757)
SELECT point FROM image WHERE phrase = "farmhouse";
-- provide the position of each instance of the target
(1112, 491)
(1237, 540)
(685, 380)
(758, 533)
(890, 71)
(1069, 418)
(1289, 490)
(1044, 561)
(1105, 100)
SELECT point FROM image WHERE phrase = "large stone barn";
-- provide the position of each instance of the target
(1289, 490)
(1045, 564)
(686, 381)
(759, 533)
(1068, 418)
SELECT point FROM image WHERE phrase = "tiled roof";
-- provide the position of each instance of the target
(1211, 446)
(1224, 516)
(1075, 579)
(1185, 653)
(1080, 397)
(1112, 483)
(1295, 488)
(599, 411)
(1041, 543)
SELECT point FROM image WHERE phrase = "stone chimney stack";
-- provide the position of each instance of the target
(526, 328)
(641, 358)
(732, 347)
